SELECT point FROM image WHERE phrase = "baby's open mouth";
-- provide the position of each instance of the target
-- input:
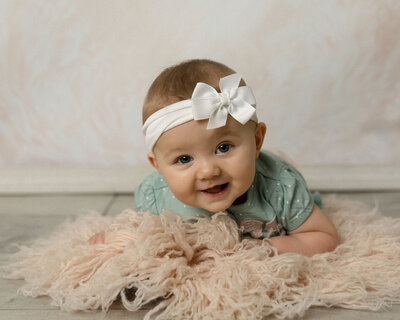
(216, 189)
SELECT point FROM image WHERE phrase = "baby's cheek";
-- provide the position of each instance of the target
(182, 193)
(246, 173)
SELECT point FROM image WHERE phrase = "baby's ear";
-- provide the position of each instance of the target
(259, 135)
(152, 159)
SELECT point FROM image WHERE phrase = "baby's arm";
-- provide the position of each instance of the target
(316, 235)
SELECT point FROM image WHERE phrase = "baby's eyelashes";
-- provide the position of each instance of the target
(184, 159)
(223, 148)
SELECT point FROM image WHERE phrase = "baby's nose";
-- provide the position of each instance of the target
(207, 170)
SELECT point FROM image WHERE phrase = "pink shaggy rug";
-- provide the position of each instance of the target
(201, 269)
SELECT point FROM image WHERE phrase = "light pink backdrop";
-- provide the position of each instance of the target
(73, 74)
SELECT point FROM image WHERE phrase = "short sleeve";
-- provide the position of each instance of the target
(154, 195)
(145, 199)
(295, 200)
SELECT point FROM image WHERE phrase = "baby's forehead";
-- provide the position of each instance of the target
(195, 132)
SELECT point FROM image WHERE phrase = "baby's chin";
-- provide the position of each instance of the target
(216, 208)
(210, 208)
(220, 207)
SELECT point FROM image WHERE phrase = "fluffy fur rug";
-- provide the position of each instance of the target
(201, 269)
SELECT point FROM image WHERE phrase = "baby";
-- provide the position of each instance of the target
(205, 140)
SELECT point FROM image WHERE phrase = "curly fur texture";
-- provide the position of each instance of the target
(202, 269)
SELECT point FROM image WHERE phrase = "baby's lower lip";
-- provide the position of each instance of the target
(215, 191)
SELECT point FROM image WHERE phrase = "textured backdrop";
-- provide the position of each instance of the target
(73, 74)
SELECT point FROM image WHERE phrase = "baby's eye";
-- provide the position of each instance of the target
(184, 159)
(223, 148)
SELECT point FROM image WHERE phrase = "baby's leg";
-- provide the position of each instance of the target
(280, 154)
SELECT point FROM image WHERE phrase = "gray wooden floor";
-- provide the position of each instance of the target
(23, 218)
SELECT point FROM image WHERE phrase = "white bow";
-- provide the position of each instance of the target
(206, 103)
(237, 101)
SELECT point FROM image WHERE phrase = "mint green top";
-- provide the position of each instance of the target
(278, 201)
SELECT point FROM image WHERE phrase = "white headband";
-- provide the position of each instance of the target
(206, 103)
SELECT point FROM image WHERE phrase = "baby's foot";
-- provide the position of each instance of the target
(97, 238)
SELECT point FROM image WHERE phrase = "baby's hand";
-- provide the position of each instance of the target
(97, 238)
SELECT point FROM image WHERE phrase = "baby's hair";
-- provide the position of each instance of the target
(177, 83)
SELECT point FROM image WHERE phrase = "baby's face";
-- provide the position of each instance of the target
(208, 169)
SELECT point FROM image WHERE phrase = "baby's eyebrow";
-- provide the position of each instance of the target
(173, 151)
(227, 132)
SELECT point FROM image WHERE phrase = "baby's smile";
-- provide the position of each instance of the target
(216, 190)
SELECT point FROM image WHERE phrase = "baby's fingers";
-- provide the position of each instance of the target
(97, 238)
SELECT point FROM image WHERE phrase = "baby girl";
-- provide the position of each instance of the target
(205, 140)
